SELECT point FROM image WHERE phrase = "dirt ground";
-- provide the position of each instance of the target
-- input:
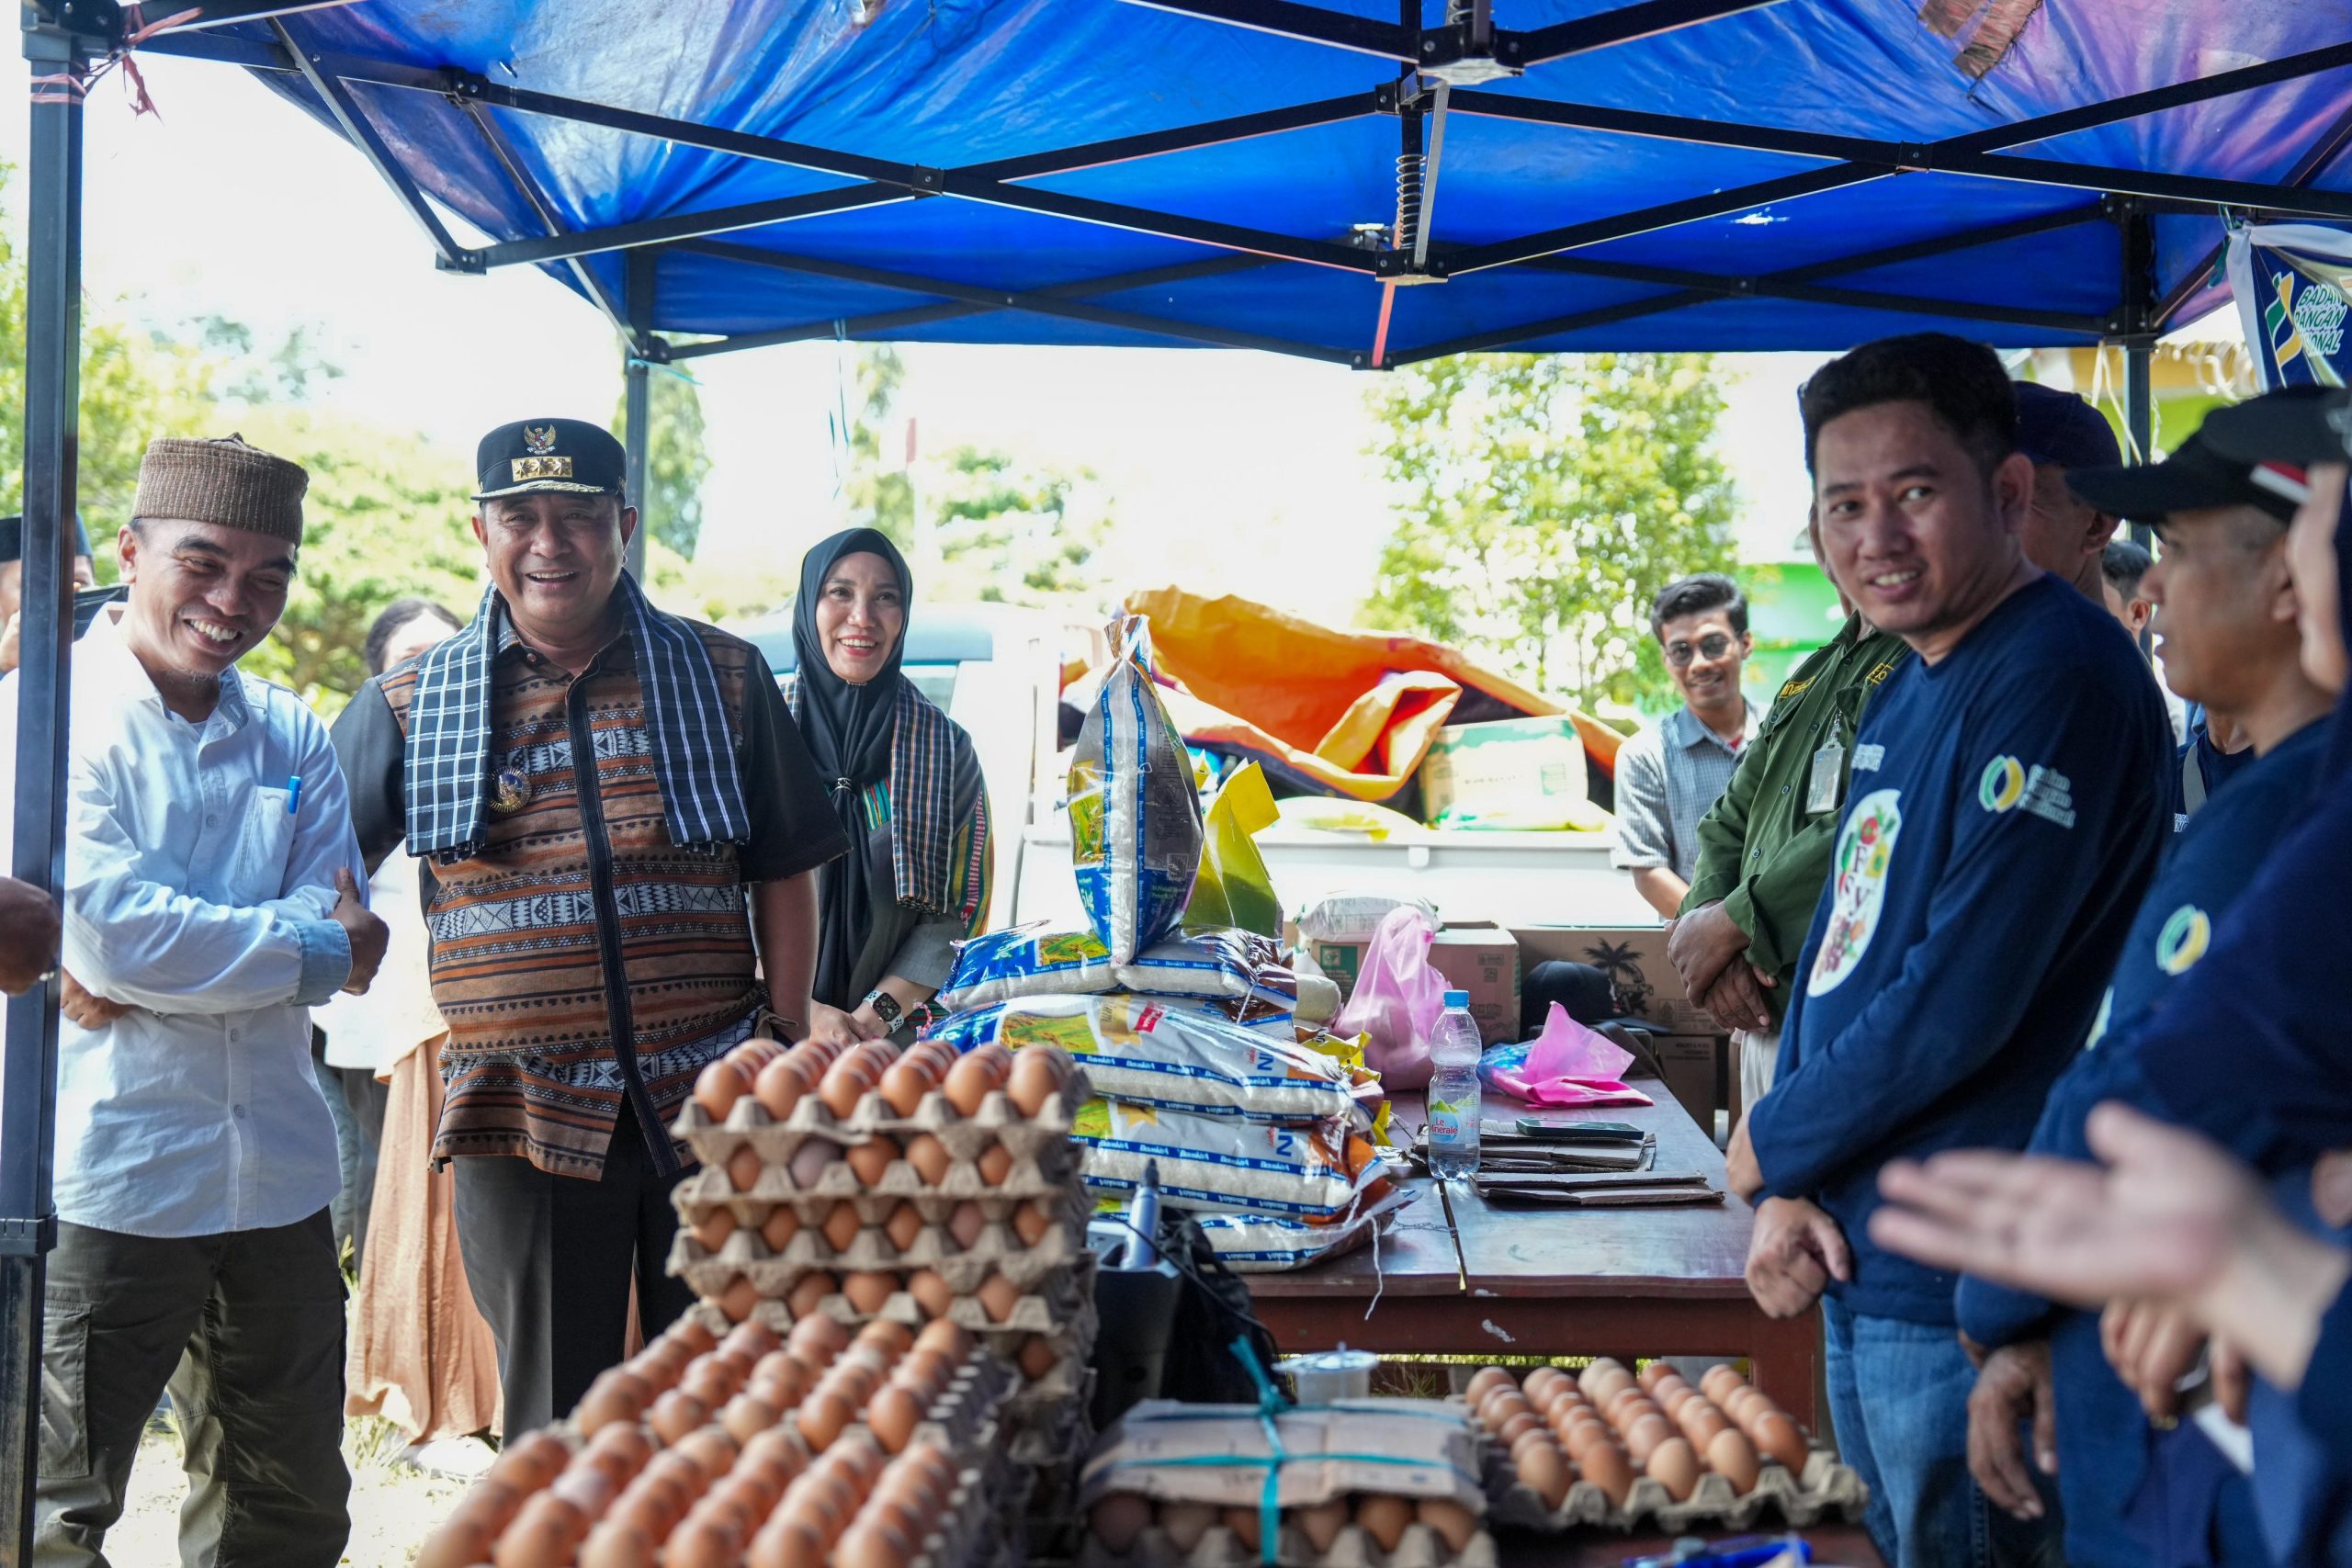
(394, 1506)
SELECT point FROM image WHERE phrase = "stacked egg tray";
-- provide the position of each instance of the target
(1611, 1452)
(688, 1456)
(1219, 1542)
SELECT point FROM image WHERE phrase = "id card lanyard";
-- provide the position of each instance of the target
(1825, 789)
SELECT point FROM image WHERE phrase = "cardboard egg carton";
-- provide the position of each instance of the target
(965, 1418)
(1048, 1171)
(997, 1120)
(1826, 1486)
(1353, 1547)
(1050, 1305)
(998, 1249)
(967, 1534)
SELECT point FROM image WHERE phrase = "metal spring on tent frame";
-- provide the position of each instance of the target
(1409, 166)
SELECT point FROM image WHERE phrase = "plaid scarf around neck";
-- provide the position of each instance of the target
(923, 818)
(446, 771)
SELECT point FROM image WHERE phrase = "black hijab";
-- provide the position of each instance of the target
(849, 730)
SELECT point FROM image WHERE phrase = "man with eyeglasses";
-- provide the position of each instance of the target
(1671, 774)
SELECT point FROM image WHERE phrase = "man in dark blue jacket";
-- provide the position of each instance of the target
(2224, 616)
(2004, 815)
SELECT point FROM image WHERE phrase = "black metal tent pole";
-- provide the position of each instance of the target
(58, 57)
(637, 294)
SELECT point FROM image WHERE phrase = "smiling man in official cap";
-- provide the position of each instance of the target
(620, 827)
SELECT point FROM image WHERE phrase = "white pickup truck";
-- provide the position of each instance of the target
(997, 670)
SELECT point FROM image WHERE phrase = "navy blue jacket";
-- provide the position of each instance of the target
(2006, 809)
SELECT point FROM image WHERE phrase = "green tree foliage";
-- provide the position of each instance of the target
(1009, 534)
(672, 505)
(877, 488)
(1542, 501)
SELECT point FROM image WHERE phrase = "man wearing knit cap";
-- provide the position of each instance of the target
(211, 899)
(621, 828)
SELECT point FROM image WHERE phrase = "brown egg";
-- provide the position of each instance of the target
(1454, 1523)
(1743, 1404)
(703, 1543)
(1599, 1367)
(676, 1414)
(846, 1083)
(1566, 1418)
(778, 1450)
(1731, 1455)
(930, 1292)
(781, 1225)
(1533, 1440)
(929, 1156)
(711, 1450)
(817, 1340)
(1608, 1385)
(714, 1228)
(779, 1087)
(1499, 1406)
(1118, 1521)
(1521, 1423)
(872, 1157)
(1717, 1381)
(1545, 1474)
(740, 1297)
(1243, 1523)
(616, 1395)
(996, 1164)
(893, 1415)
(714, 1380)
(998, 1296)
(1668, 1386)
(618, 1544)
(1037, 1358)
(719, 1086)
(1607, 1469)
(459, 1542)
(822, 1417)
(1543, 1384)
(1673, 1466)
(904, 1083)
(1674, 1399)
(781, 1380)
(532, 1461)
(743, 1168)
(1625, 1405)
(965, 1222)
(1582, 1434)
(1701, 1421)
(1185, 1523)
(870, 1291)
(1322, 1523)
(890, 1340)
(842, 1225)
(747, 1415)
(1385, 1520)
(1032, 1082)
(788, 1540)
(1649, 1374)
(1646, 1432)
(747, 1343)
(950, 1340)
(1032, 1220)
(967, 1084)
(548, 1531)
(622, 1449)
(1777, 1437)
(903, 1226)
(807, 1290)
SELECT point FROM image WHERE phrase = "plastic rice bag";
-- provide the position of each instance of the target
(1135, 807)
(1320, 1173)
(1030, 963)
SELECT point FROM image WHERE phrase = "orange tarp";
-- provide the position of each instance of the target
(1354, 711)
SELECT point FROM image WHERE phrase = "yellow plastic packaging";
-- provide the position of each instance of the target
(1234, 889)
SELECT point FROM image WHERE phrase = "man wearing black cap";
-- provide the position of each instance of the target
(2064, 534)
(620, 827)
(2224, 617)
(12, 581)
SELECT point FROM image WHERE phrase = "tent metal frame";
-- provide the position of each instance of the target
(1443, 68)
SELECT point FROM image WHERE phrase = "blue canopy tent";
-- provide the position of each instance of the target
(1368, 184)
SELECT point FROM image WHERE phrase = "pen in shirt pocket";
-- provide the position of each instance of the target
(293, 794)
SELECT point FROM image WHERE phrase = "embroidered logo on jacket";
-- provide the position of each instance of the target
(1857, 886)
(2008, 784)
(2183, 940)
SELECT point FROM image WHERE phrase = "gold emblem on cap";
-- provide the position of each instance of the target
(538, 440)
(541, 468)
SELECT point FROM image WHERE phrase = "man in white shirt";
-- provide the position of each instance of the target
(211, 899)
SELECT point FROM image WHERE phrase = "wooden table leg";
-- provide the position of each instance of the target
(1786, 1363)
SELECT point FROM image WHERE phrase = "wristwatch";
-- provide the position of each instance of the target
(885, 1006)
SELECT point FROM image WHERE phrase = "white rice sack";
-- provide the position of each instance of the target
(1135, 807)
(1320, 1173)
(1352, 917)
(1174, 1052)
(1029, 963)
(1266, 1243)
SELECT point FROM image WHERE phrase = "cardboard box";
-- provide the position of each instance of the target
(1516, 773)
(1633, 957)
(1691, 1064)
(1340, 961)
(1482, 959)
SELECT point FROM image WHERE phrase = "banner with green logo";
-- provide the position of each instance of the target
(2293, 286)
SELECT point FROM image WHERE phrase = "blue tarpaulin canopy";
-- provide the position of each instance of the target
(1325, 180)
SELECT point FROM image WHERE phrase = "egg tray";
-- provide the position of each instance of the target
(1353, 1547)
(967, 1418)
(998, 1250)
(1826, 1486)
(1049, 1171)
(1057, 1299)
(969, 1532)
(997, 1120)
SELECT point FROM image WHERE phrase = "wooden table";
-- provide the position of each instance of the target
(1549, 1280)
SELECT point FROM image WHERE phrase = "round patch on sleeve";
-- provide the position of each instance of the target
(2186, 934)
(1857, 887)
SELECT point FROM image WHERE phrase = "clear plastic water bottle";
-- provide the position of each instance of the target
(1453, 1090)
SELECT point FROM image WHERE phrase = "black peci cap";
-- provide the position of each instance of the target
(2295, 426)
(2193, 478)
(569, 456)
(2061, 428)
(12, 538)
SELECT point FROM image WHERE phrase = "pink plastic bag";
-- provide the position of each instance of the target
(1566, 1065)
(1397, 999)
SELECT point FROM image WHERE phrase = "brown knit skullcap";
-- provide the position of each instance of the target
(222, 481)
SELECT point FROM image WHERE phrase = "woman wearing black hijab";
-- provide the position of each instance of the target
(906, 784)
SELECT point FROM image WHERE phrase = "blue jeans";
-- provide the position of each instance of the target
(1898, 1393)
